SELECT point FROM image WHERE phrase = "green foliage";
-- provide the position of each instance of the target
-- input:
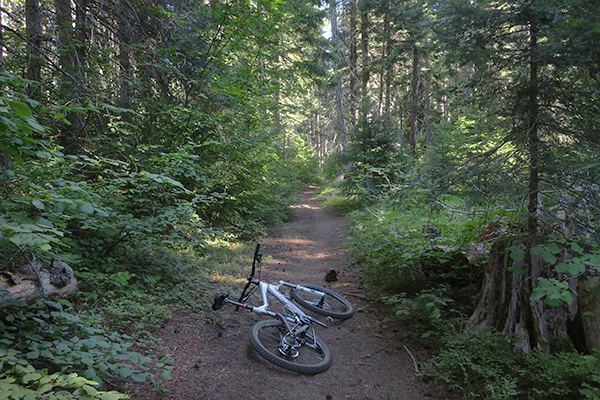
(40, 343)
(427, 306)
(475, 365)
(334, 200)
(20, 380)
(18, 124)
(566, 258)
(331, 167)
(483, 365)
(50, 336)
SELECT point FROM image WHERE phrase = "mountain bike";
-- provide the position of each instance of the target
(289, 340)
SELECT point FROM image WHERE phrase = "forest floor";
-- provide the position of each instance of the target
(213, 358)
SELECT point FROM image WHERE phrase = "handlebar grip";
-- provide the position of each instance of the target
(219, 301)
(257, 253)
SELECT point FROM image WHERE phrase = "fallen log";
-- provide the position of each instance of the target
(38, 279)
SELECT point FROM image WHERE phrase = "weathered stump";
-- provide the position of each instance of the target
(589, 307)
(505, 301)
(39, 279)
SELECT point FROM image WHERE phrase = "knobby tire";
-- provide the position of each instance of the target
(335, 306)
(265, 337)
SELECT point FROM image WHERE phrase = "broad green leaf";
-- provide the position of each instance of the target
(20, 108)
(548, 257)
(594, 261)
(113, 396)
(21, 238)
(537, 293)
(90, 390)
(139, 377)
(517, 253)
(517, 270)
(554, 249)
(588, 314)
(86, 208)
(391, 215)
(537, 250)
(38, 204)
(576, 248)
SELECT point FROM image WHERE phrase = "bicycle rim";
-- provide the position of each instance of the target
(307, 355)
(332, 305)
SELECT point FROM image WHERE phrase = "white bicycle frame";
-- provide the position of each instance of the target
(266, 287)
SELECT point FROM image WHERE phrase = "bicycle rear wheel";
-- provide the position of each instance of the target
(306, 354)
(332, 305)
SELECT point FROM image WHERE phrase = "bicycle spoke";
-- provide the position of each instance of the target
(305, 355)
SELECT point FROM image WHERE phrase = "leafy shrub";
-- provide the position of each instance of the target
(20, 380)
(331, 167)
(341, 204)
(48, 336)
(484, 365)
(427, 306)
(475, 365)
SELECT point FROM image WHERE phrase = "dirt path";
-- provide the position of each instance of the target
(370, 360)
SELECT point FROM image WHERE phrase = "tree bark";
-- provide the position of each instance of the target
(364, 39)
(532, 134)
(64, 38)
(39, 279)
(505, 302)
(33, 24)
(589, 307)
(353, 61)
(412, 139)
(340, 119)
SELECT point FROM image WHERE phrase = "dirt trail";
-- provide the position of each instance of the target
(370, 360)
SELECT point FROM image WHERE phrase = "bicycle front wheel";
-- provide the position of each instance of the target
(306, 354)
(332, 304)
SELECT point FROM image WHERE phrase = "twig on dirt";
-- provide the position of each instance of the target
(357, 295)
(417, 386)
(413, 358)
(380, 350)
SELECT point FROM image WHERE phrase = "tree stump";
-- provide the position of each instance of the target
(39, 279)
(505, 301)
(589, 306)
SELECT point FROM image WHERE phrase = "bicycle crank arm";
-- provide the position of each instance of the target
(221, 299)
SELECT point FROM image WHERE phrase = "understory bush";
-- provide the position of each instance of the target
(416, 259)
(484, 365)
(39, 343)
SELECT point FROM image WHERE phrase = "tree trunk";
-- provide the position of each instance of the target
(126, 34)
(505, 302)
(1, 39)
(364, 39)
(64, 37)
(532, 134)
(412, 138)
(589, 307)
(39, 279)
(353, 61)
(33, 24)
(340, 119)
